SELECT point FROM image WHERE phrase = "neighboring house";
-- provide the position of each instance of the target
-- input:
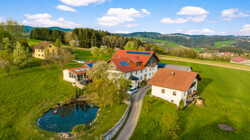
(174, 85)
(134, 65)
(77, 75)
(240, 60)
(43, 49)
(178, 67)
(227, 54)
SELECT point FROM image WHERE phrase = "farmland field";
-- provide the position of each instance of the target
(159, 42)
(27, 93)
(227, 100)
(224, 43)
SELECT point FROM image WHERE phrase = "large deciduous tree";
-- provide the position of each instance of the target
(20, 55)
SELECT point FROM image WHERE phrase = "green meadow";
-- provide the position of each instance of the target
(227, 100)
(224, 43)
(29, 92)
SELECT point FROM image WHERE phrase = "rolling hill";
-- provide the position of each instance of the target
(29, 28)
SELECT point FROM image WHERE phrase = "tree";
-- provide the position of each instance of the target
(130, 46)
(63, 57)
(20, 55)
(105, 89)
(68, 36)
(58, 43)
(98, 52)
(16, 30)
(73, 44)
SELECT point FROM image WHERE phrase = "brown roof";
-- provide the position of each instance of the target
(238, 59)
(181, 80)
(41, 45)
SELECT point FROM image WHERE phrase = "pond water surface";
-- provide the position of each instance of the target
(63, 119)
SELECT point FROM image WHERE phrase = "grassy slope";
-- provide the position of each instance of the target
(224, 43)
(167, 43)
(227, 101)
(25, 94)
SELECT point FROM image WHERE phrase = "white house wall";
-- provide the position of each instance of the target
(66, 76)
(168, 95)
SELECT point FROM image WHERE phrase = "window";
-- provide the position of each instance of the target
(50, 46)
(125, 75)
(150, 69)
(53, 51)
(184, 94)
(42, 55)
(41, 50)
(71, 75)
(38, 50)
(163, 91)
(135, 72)
(174, 93)
(149, 74)
(141, 71)
(141, 77)
(145, 70)
(48, 51)
(131, 73)
(172, 101)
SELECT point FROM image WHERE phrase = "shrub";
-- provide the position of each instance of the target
(181, 104)
(143, 83)
(78, 129)
(74, 56)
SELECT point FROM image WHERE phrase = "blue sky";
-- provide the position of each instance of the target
(164, 16)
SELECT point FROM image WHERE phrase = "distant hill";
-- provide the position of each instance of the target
(29, 28)
(194, 41)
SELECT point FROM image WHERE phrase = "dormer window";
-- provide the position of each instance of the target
(50, 46)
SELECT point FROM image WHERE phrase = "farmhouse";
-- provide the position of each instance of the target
(43, 49)
(77, 75)
(240, 60)
(134, 65)
(174, 85)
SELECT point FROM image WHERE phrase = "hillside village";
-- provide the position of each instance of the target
(124, 70)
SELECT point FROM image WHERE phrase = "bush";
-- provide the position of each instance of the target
(74, 56)
(78, 129)
(181, 104)
(143, 83)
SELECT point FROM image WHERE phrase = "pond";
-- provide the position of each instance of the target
(63, 119)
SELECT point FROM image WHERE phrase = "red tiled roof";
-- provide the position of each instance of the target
(239, 59)
(127, 68)
(143, 58)
(181, 80)
(73, 70)
(135, 59)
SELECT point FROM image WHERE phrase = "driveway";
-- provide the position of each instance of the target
(130, 124)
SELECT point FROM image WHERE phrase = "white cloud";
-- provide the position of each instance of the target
(122, 32)
(245, 30)
(82, 2)
(117, 16)
(65, 8)
(173, 21)
(212, 21)
(131, 25)
(204, 31)
(229, 14)
(38, 16)
(44, 20)
(195, 14)
(145, 11)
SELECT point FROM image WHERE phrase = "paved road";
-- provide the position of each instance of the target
(130, 124)
(218, 65)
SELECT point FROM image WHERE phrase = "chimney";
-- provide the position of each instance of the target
(172, 73)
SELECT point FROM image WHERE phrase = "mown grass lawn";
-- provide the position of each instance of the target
(227, 100)
(27, 93)
(224, 43)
